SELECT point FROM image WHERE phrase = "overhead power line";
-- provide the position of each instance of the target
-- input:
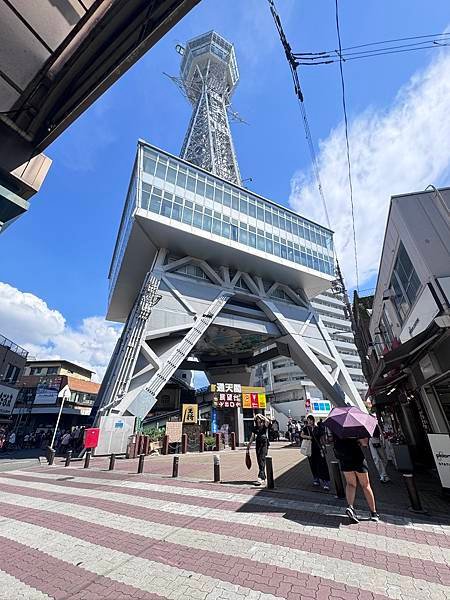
(349, 165)
(373, 49)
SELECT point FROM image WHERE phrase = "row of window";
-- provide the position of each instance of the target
(43, 370)
(173, 207)
(209, 188)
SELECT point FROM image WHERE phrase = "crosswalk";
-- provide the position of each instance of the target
(117, 536)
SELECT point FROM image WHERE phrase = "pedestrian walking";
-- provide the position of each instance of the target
(261, 437)
(317, 458)
(349, 453)
(378, 454)
(65, 442)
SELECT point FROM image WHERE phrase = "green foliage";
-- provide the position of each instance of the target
(210, 441)
(155, 433)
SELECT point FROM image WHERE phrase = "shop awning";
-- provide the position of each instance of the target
(391, 367)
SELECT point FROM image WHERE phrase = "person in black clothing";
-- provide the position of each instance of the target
(260, 435)
(349, 453)
(317, 460)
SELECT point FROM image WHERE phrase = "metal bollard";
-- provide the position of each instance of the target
(337, 478)
(50, 455)
(141, 463)
(184, 443)
(68, 458)
(87, 458)
(269, 472)
(233, 440)
(201, 442)
(176, 461)
(216, 468)
(416, 504)
(112, 462)
(217, 448)
(165, 446)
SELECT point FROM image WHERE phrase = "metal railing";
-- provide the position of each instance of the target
(7, 343)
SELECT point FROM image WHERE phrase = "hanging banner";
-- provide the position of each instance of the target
(47, 390)
(8, 397)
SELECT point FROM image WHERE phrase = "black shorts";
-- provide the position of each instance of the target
(353, 467)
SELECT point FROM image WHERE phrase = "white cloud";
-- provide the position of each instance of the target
(29, 322)
(400, 150)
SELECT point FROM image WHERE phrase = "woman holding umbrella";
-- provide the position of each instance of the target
(351, 429)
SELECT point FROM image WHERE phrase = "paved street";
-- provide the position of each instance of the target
(92, 534)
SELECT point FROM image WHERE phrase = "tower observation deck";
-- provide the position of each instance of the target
(208, 275)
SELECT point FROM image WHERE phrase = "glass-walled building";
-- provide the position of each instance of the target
(189, 198)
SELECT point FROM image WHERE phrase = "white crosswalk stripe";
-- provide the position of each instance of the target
(13, 589)
(342, 534)
(369, 578)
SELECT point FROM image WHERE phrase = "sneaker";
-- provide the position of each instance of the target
(385, 479)
(350, 511)
(374, 516)
(259, 482)
(326, 488)
(316, 483)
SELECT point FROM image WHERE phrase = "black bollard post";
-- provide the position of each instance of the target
(50, 455)
(184, 443)
(233, 440)
(141, 463)
(201, 442)
(165, 446)
(112, 462)
(337, 478)
(87, 458)
(416, 504)
(269, 472)
(176, 461)
(68, 458)
(216, 468)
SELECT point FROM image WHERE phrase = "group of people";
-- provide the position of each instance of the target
(348, 451)
(11, 440)
(40, 438)
(66, 440)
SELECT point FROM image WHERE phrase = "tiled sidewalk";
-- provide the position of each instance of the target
(90, 534)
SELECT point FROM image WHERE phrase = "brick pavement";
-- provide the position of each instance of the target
(93, 534)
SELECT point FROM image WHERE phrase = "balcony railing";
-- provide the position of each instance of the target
(7, 343)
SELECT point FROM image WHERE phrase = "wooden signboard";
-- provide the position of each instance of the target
(174, 429)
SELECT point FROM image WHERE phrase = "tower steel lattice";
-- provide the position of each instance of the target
(208, 77)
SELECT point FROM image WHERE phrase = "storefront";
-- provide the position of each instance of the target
(411, 395)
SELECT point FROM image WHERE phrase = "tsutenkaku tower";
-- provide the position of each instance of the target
(209, 75)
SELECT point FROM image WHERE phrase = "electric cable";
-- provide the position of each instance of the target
(350, 181)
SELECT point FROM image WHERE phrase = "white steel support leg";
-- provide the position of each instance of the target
(304, 356)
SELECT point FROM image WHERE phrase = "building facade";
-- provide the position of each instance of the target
(410, 326)
(39, 399)
(12, 363)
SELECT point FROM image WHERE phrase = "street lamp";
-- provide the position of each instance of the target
(64, 394)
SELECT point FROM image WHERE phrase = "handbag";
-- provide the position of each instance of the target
(248, 460)
(306, 448)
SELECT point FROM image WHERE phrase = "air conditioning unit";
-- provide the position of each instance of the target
(429, 366)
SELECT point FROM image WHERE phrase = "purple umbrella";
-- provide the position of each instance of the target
(350, 422)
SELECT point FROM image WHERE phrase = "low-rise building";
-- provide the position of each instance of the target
(12, 362)
(40, 395)
(410, 327)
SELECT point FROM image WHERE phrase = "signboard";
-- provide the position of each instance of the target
(91, 436)
(254, 400)
(8, 397)
(233, 395)
(440, 446)
(425, 309)
(189, 413)
(114, 434)
(174, 430)
(47, 390)
(213, 420)
(320, 408)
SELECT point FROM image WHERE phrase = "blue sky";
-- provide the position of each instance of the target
(58, 254)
